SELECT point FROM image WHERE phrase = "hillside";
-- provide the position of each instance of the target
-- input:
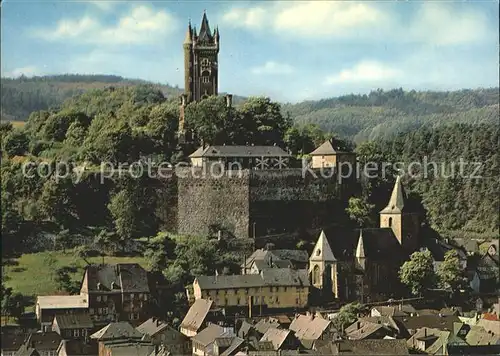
(383, 114)
(22, 96)
(378, 115)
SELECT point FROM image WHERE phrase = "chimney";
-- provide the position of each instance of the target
(425, 332)
(229, 100)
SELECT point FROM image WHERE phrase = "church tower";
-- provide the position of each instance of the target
(398, 216)
(323, 267)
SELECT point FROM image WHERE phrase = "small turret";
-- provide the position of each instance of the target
(188, 40)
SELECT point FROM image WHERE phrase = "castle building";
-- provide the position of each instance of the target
(364, 263)
(329, 155)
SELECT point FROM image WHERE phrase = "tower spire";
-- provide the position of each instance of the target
(360, 248)
(205, 33)
(397, 200)
(189, 34)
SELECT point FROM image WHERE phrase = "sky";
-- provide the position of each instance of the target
(289, 51)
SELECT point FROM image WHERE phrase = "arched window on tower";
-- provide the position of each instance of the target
(316, 278)
(390, 222)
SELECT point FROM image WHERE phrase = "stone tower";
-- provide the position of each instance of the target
(201, 50)
(398, 216)
(323, 267)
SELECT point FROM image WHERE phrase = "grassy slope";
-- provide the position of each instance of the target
(29, 274)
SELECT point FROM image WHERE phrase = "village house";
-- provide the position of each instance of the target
(162, 334)
(73, 326)
(310, 328)
(329, 155)
(47, 307)
(77, 348)
(262, 259)
(282, 339)
(199, 315)
(204, 341)
(12, 339)
(271, 289)
(115, 333)
(116, 292)
(40, 343)
(240, 157)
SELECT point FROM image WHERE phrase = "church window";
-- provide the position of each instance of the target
(205, 80)
(390, 222)
(205, 62)
(318, 252)
(316, 276)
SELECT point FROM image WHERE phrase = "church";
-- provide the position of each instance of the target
(363, 264)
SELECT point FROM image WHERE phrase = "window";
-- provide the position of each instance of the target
(316, 275)
(98, 298)
(131, 295)
(104, 298)
(205, 62)
(76, 332)
(238, 301)
(105, 310)
(99, 311)
(284, 289)
(140, 295)
(145, 297)
(390, 222)
(277, 300)
(205, 80)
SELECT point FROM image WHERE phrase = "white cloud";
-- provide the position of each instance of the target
(365, 72)
(141, 26)
(442, 24)
(28, 71)
(434, 23)
(271, 67)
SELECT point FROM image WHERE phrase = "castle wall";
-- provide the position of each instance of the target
(252, 203)
(207, 201)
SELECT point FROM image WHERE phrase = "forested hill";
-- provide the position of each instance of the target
(378, 115)
(382, 114)
(22, 96)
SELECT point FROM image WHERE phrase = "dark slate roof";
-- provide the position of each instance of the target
(47, 341)
(378, 243)
(268, 277)
(196, 314)
(12, 339)
(300, 256)
(127, 277)
(438, 249)
(209, 334)
(469, 245)
(398, 199)
(205, 34)
(431, 321)
(26, 350)
(74, 321)
(239, 151)
(152, 326)
(120, 330)
(362, 347)
(80, 348)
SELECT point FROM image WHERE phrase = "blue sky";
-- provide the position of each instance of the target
(290, 51)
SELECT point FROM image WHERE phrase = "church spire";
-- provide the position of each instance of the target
(360, 249)
(397, 200)
(322, 251)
